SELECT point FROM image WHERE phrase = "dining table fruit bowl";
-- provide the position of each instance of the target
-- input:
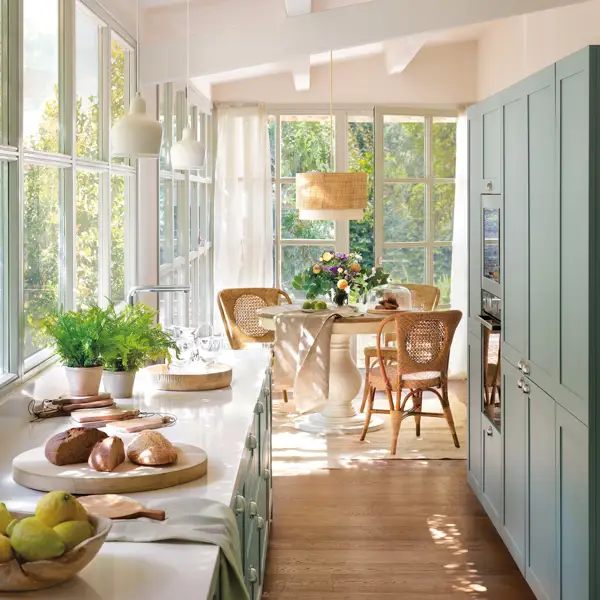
(50, 546)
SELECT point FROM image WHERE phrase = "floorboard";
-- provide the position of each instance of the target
(386, 530)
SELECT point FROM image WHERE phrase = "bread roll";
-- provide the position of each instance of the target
(72, 446)
(150, 448)
(107, 455)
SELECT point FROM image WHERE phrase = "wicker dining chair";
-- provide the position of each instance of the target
(420, 364)
(424, 298)
(238, 308)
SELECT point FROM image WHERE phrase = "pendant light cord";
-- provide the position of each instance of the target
(330, 110)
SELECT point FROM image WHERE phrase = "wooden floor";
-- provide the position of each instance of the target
(401, 530)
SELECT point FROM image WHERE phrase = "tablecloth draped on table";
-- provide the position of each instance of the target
(194, 520)
(302, 348)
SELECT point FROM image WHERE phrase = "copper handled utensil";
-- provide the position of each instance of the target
(112, 506)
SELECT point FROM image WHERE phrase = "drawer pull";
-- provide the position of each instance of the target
(260, 408)
(520, 365)
(266, 474)
(520, 383)
(252, 509)
(252, 575)
(267, 393)
(239, 505)
(260, 523)
(489, 431)
(526, 369)
(251, 442)
(526, 388)
(488, 186)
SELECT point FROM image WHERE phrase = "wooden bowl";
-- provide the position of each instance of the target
(217, 376)
(16, 576)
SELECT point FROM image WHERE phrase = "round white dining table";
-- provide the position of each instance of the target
(345, 380)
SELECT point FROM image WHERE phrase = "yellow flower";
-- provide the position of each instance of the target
(342, 284)
(327, 256)
(355, 267)
(340, 270)
(317, 269)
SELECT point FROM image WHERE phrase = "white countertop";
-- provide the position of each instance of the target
(216, 421)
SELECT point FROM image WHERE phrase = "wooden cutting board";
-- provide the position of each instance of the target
(31, 469)
(112, 506)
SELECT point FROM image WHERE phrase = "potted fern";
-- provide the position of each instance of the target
(79, 340)
(135, 338)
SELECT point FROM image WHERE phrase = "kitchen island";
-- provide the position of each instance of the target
(232, 425)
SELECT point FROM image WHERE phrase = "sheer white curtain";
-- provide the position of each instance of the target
(243, 214)
(460, 252)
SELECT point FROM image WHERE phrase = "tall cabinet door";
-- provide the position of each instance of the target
(491, 168)
(514, 269)
(514, 464)
(475, 384)
(573, 505)
(541, 560)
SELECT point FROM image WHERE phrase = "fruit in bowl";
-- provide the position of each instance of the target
(50, 546)
(315, 305)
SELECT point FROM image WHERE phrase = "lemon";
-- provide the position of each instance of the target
(321, 305)
(58, 507)
(11, 526)
(32, 540)
(307, 305)
(72, 533)
(6, 551)
(5, 518)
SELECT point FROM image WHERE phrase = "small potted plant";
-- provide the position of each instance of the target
(79, 339)
(135, 338)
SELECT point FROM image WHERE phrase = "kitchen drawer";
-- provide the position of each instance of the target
(492, 471)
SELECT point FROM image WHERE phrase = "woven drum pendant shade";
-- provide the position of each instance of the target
(331, 196)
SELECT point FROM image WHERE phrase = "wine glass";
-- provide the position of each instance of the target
(208, 343)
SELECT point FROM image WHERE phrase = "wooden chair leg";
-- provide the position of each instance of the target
(396, 421)
(367, 385)
(285, 396)
(363, 435)
(418, 404)
(448, 414)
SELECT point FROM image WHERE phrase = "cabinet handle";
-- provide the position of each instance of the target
(267, 393)
(252, 575)
(260, 408)
(526, 388)
(266, 474)
(251, 442)
(526, 369)
(260, 523)
(520, 383)
(240, 505)
(520, 365)
(252, 509)
(488, 186)
(489, 431)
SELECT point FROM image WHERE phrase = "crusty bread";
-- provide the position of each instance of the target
(73, 445)
(107, 454)
(152, 449)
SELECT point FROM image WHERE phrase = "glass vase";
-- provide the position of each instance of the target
(340, 297)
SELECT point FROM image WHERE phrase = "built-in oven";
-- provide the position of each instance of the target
(491, 214)
(490, 319)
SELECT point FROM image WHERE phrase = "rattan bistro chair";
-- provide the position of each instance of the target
(424, 298)
(422, 352)
(238, 308)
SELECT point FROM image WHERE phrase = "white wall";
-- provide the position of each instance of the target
(438, 76)
(516, 47)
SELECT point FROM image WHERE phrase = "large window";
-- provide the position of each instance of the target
(65, 206)
(185, 229)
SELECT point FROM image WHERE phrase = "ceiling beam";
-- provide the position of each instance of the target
(295, 8)
(301, 73)
(225, 40)
(399, 53)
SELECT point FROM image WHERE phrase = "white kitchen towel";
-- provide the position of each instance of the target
(302, 352)
(194, 520)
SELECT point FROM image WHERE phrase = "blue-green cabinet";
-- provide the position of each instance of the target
(475, 384)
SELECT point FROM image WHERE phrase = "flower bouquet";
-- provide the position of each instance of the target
(339, 275)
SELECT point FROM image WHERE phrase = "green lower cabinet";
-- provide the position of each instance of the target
(541, 563)
(492, 471)
(475, 398)
(573, 506)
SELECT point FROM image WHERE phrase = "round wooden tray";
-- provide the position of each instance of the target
(33, 470)
(386, 312)
(217, 376)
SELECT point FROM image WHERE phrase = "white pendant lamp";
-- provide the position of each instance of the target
(331, 196)
(188, 154)
(136, 135)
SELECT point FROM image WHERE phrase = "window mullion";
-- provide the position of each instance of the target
(278, 252)
(429, 199)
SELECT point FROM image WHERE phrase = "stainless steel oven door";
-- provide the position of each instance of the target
(491, 244)
(491, 351)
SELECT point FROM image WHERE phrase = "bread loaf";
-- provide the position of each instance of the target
(107, 454)
(152, 449)
(72, 446)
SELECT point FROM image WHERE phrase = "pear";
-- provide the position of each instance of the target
(11, 527)
(6, 551)
(32, 540)
(72, 533)
(57, 507)
(5, 518)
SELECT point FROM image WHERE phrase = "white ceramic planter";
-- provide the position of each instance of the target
(119, 384)
(84, 381)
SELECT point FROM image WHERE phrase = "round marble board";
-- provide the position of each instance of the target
(31, 469)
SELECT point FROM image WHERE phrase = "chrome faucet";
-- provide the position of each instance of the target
(156, 289)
